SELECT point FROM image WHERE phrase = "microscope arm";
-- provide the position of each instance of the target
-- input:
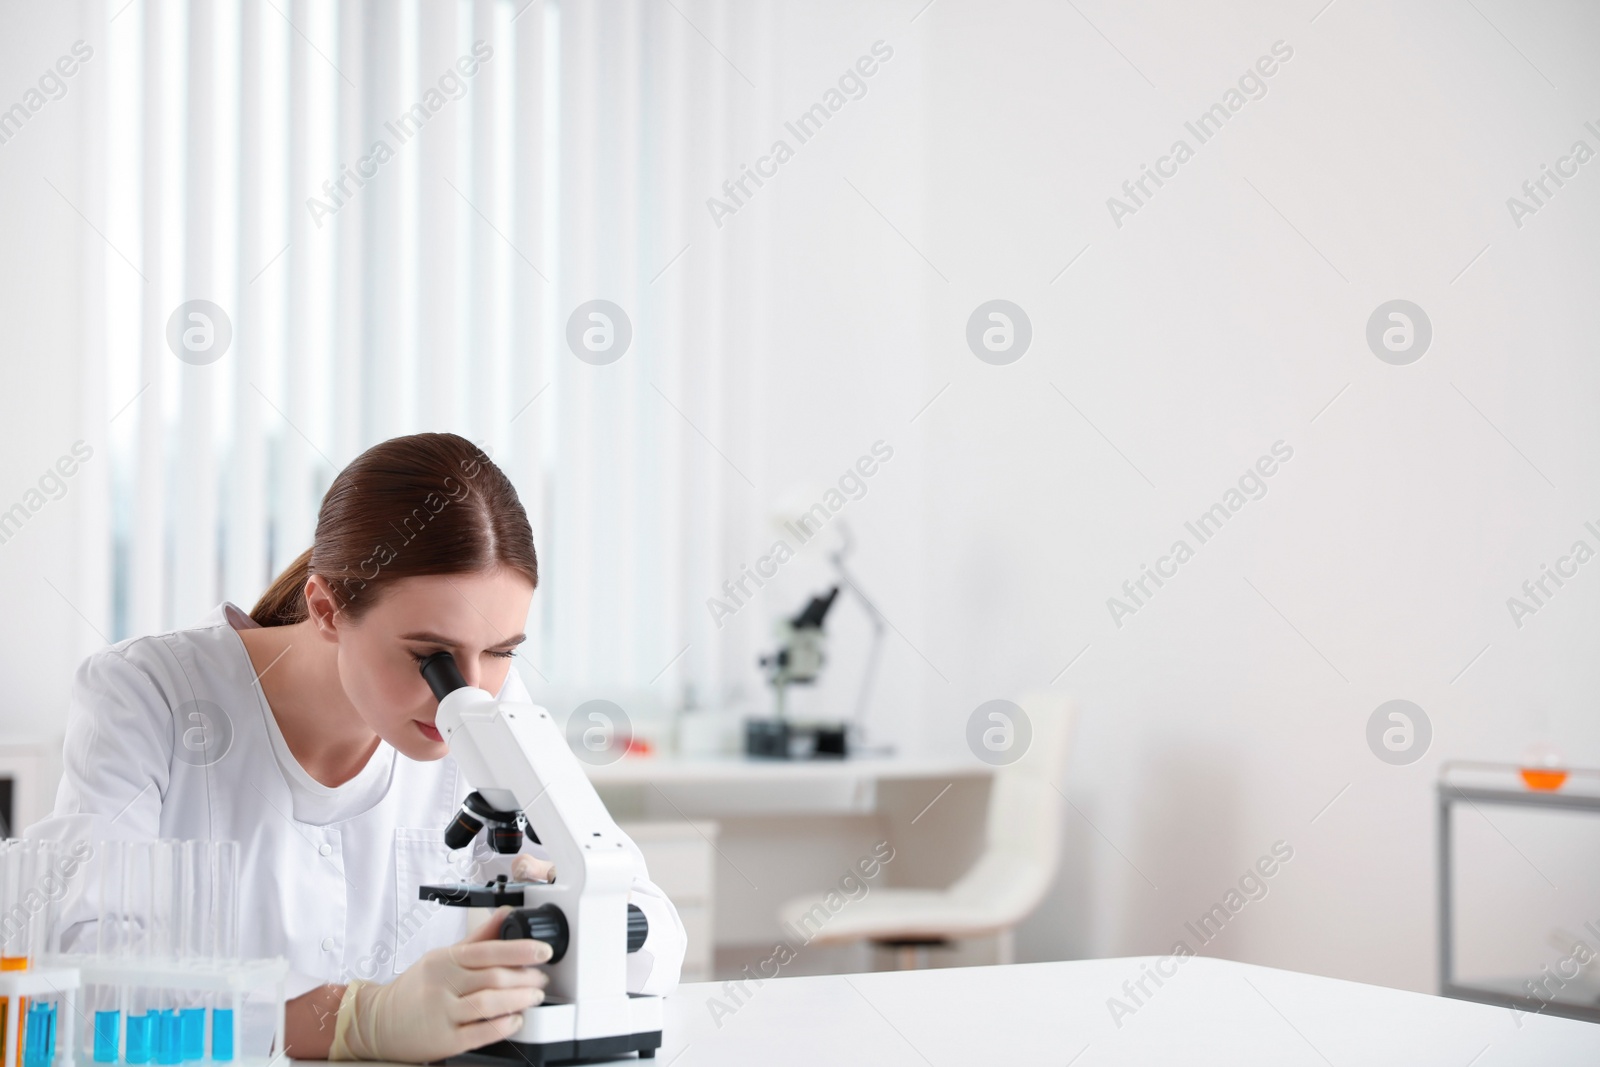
(518, 760)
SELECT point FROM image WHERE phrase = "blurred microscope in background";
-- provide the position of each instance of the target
(798, 660)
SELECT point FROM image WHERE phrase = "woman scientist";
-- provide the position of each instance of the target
(305, 731)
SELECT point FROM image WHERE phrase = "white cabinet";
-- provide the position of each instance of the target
(681, 859)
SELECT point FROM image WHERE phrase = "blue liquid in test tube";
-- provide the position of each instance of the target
(39, 1048)
(169, 1045)
(192, 1025)
(106, 1025)
(142, 1036)
(222, 1034)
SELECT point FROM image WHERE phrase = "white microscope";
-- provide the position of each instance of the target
(530, 782)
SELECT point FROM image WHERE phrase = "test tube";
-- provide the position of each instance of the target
(111, 941)
(16, 869)
(225, 943)
(137, 909)
(41, 897)
(29, 889)
(39, 1047)
(193, 911)
(166, 925)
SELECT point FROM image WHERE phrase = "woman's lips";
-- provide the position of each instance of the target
(428, 731)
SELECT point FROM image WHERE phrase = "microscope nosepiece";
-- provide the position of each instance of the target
(505, 827)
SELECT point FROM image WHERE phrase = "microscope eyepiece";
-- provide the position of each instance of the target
(506, 828)
(442, 674)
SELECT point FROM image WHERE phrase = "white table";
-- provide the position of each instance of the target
(1209, 1012)
(754, 777)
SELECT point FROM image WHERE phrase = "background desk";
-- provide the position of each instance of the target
(1210, 1012)
(766, 831)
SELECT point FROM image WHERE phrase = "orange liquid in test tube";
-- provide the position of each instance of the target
(14, 963)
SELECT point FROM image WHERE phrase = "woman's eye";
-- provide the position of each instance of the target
(420, 656)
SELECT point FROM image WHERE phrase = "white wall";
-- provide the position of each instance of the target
(1195, 336)
(42, 309)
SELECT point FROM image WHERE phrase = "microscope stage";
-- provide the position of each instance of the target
(476, 894)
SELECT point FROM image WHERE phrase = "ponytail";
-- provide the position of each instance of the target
(284, 602)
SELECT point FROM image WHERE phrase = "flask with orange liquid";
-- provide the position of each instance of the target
(1542, 768)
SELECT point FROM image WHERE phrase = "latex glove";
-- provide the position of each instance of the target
(452, 1000)
(526, 868)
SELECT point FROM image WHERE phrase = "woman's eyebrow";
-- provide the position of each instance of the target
(436, 639)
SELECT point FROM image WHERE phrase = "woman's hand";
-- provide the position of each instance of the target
(452, 1000)
(526, 868)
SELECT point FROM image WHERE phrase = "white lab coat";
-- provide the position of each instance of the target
(338, 901)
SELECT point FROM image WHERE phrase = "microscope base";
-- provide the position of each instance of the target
(547, 1036)
(785, 739)
(588, 1050)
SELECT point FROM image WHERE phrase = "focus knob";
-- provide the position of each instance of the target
(547, 923)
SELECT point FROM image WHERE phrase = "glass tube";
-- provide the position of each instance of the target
(138, 911)
(192, 910)
(225, 942)
(39, 1030)
(103, 1002)
(41, 899)
(15, 874)
(166, 927)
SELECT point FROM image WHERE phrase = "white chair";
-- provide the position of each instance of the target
(1022, 848)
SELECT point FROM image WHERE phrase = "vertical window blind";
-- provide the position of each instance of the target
(396, 205)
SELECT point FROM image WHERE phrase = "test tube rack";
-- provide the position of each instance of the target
(15, 986)
(228, 980)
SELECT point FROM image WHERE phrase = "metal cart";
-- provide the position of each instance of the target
(1500, 784)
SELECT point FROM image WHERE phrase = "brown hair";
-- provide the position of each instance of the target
(430, 503)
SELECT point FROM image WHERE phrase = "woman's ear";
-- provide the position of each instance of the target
(322, 608)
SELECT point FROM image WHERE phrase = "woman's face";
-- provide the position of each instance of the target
(478, 618)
